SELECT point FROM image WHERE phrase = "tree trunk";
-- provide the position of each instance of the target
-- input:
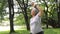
(47, 17)
(24, 10)
(46, 14)
(25, 14)
(59, 14)
(26, 18)
(11, 15)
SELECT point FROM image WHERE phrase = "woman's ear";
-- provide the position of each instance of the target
(33, 12)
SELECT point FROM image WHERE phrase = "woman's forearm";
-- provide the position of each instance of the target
(40, 11)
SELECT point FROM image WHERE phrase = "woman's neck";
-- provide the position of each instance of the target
(33, 16)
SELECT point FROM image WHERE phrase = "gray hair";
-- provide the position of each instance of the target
(36, 11)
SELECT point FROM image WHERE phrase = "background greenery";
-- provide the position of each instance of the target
(46, 31)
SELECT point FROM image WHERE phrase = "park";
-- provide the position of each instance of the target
(15, 16)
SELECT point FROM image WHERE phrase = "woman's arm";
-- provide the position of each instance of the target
(40, 13)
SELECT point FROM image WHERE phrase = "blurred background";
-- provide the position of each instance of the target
(15, 16)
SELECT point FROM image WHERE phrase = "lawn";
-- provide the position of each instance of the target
(46, 31)
(51, 31)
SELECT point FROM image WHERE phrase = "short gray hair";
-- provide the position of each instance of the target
(36, 11)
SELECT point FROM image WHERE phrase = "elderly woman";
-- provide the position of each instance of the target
(35, 21)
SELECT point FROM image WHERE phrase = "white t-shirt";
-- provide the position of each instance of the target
(35, 24)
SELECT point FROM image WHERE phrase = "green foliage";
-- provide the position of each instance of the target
(2, 6)
(51, 13)
(46, 31)
(20, 20)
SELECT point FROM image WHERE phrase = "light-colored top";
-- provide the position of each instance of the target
(35, 24)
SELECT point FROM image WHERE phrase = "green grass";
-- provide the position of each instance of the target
(46, 31)
(52, 31)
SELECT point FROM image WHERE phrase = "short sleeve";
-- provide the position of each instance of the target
(37, 15)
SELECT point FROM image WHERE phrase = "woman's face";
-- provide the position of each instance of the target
(32, 13)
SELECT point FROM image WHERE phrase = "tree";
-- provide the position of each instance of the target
(11, 15)
(23, 5)
(2, 11)
(46, 12)
(58, 2)
(51, 13)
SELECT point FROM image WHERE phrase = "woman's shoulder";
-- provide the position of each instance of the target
(37, 16)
